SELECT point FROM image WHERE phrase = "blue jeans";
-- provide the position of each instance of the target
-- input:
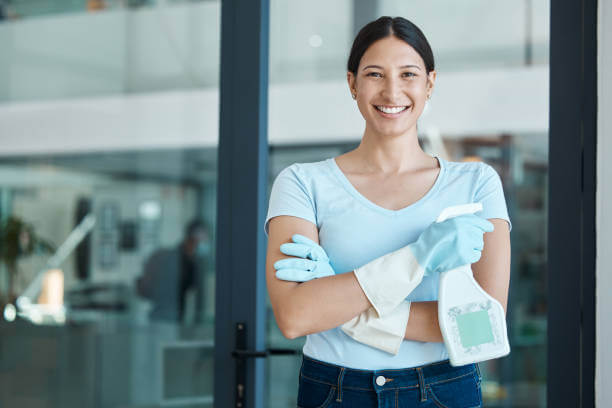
(436, 385)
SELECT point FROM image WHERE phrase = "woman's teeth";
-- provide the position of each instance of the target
(396, 109)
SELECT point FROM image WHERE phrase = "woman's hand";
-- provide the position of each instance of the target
(314, 263)
(452, 243)
(302, 308)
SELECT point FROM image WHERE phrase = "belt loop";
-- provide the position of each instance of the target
(340, 378)
(422, 385)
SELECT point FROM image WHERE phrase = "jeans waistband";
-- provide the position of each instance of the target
(415, 377)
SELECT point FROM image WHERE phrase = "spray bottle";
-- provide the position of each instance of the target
(473, 323)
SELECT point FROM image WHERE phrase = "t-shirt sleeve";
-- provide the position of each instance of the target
(491, 194)
(290, 196)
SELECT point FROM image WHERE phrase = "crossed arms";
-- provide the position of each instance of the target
(326, 303)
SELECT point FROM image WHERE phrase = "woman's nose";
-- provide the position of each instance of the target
(392, 89)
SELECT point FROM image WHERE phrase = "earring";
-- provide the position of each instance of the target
(428, 96)
(354, 96)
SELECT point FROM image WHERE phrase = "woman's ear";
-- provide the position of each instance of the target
(431, 80)
(352, 82)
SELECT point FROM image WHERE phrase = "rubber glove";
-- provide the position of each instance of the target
(315, 262)
(457, 241)
(384, 333)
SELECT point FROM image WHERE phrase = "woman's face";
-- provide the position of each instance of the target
(391, 86)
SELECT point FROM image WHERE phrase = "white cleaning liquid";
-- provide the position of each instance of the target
(473, 324)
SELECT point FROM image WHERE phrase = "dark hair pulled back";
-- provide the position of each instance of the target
(385, 27)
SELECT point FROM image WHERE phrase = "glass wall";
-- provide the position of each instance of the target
(490, 104)
(108, 175)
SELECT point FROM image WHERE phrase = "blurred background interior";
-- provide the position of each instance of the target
(108, 161)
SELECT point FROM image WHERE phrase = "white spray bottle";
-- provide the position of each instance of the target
(473, 323)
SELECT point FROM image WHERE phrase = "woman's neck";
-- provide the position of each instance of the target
(390, 154)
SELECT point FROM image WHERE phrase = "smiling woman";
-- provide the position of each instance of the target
(361, 225)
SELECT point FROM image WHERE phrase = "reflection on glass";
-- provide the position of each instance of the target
(133, 279)
(169, 274)
(108, 117)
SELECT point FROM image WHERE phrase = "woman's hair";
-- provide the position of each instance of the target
(385, 27)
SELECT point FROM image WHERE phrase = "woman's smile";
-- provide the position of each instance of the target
(392, 111)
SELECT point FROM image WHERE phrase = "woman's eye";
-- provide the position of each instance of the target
(409, 74)
(374, 74)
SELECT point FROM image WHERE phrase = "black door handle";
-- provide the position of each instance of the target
(240, 353)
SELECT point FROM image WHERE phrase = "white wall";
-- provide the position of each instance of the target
(603, 371)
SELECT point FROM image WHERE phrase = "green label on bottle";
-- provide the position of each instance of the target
(475, 328)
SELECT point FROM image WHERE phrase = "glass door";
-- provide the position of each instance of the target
(108, 191)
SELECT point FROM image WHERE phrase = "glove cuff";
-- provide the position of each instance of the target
(386, 281)
(386, 333)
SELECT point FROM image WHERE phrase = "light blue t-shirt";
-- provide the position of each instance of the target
(353, 231)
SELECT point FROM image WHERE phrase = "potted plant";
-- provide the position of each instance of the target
(18, 239)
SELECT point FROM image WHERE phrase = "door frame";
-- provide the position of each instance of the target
(240, 295)
(571, 216)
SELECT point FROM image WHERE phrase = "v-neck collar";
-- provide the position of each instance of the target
(354, 192)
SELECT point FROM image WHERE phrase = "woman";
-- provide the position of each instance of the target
(337, 218)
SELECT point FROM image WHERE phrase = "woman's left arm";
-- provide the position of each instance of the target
(492, 272)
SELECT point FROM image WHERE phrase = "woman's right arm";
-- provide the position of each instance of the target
(313, 306)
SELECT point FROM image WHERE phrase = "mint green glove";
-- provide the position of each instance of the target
(451, 243)
(315, 262)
